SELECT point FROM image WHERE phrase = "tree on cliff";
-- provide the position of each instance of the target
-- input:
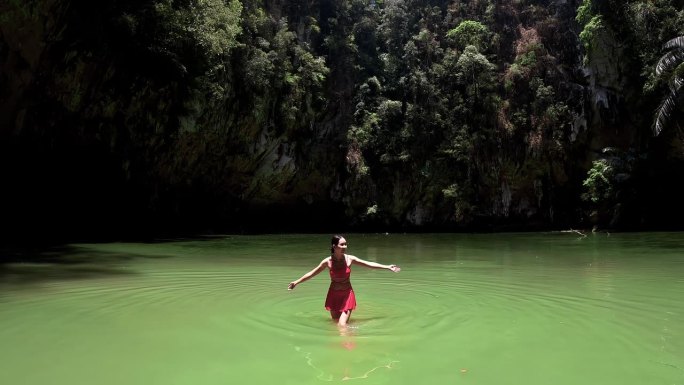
(671, 64)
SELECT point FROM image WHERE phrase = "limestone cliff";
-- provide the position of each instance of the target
(313, 115)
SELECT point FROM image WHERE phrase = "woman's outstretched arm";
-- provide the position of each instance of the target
(373, 265)
(311, 274)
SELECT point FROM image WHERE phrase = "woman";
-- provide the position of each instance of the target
(340, 300)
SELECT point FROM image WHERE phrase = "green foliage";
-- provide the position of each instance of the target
(544, 96)
(216, 24)
(285, 79)
(528, 59)
(194, 38)
(259, 69)
(475, 72)
(592, 24)
(585, 12)
(366, 117)
(612, 183)
(414, 85)
(311, 70)
(513, 72)
(461, 199)
(364, 133)
(211, 25)
(590, 33)
(19, 9)
(394, 27)
(460, 146)
(451, 191)
(470, 32)
(599, 183)
(653, 22)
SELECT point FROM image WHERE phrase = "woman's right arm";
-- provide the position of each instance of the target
(321, 266)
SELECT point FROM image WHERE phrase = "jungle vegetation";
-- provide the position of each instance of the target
(130, 116)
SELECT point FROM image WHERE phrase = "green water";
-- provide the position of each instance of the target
(465, 309)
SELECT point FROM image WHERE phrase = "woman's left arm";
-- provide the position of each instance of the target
(373, 265)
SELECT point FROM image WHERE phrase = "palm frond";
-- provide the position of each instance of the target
(677, 42)
(667, 106)
(663, 114)
(669, 61)
(672, 63)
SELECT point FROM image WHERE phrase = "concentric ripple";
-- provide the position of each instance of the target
(482, 308)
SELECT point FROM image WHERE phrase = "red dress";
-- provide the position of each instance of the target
(340, 294)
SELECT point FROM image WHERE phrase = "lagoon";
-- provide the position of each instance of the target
(523, 308)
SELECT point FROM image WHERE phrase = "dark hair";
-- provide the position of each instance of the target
(334, 242)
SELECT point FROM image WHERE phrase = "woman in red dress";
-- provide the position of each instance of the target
(340, 300)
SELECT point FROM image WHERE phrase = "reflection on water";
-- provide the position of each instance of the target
(491, 309)
(347, 358)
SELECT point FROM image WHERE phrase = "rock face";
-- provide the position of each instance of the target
(114, 113)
